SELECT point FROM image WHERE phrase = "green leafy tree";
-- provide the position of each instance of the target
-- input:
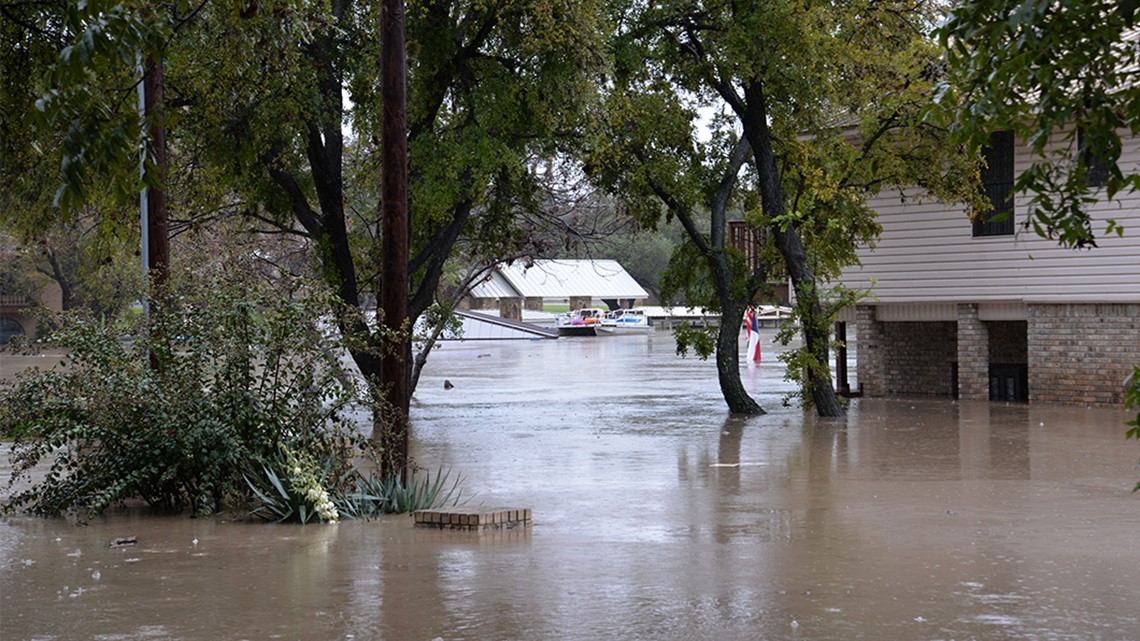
(790, 113)
(258, 118)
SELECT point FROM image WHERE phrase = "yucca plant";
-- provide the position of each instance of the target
(377, 495)
(295, 487)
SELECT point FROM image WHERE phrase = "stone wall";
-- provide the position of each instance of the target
(1081, 353)
(510, 308)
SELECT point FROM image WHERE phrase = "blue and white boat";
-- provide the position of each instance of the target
(625, 321)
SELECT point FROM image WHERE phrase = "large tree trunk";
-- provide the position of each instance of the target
(818, 377)
(728, 361)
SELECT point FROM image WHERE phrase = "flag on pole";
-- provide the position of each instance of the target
(752, 325)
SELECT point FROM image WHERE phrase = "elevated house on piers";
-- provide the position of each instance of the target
(990, 310)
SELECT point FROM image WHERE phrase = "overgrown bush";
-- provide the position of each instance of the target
(177, 411)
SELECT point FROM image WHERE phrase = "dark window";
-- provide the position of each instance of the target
(9, 328)
(1096, 168)
(1009, 382)
(997, 182)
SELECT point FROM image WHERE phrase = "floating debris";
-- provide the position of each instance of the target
(123, 541)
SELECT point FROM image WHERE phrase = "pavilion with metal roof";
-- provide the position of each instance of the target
(521, 284)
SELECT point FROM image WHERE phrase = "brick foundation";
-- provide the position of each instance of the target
(1081, 354)
(869, 361)
(904, 358)
(1074, 353)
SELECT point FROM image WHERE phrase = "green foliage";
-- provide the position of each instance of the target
(1042, 70)
(700, 340)
(801, 364)
(84, 100)
(16, 273)
(1132, 401)
(439, 319)
(238, 375)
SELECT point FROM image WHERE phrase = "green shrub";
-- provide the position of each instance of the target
(177, 411)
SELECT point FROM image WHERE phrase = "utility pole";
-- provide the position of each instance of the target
(394, 227)
(158, 246)
(155, 250)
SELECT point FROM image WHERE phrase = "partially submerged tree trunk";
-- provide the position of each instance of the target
(813, 325)
(732, 304)
(728, 361)
(753, 111)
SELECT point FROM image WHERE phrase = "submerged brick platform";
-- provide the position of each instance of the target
(476, 519)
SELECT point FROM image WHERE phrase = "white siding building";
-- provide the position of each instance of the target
(994, 311)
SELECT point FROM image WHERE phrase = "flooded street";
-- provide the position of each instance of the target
(655, 517)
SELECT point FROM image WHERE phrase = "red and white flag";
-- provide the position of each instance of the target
(752, 329)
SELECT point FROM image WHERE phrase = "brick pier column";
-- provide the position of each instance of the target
(510, 308)
(869, 365)
(973, 355)
(580, 302)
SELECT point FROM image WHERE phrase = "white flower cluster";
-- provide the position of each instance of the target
(305, 482)
(320, 499)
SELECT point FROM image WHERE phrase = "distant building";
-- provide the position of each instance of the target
(989, 310)
(519, 285)
(16, 317)
(749, 240)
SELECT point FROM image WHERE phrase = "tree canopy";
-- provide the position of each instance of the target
(273, 113)
(788, 114)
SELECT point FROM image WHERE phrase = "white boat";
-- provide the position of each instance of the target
(580, 322)
(626, 321)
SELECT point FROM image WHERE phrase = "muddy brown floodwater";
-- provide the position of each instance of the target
(655, 517)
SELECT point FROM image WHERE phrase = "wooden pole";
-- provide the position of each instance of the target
(394, 227)
(158, 245)
(155, 243)
(841, 382)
